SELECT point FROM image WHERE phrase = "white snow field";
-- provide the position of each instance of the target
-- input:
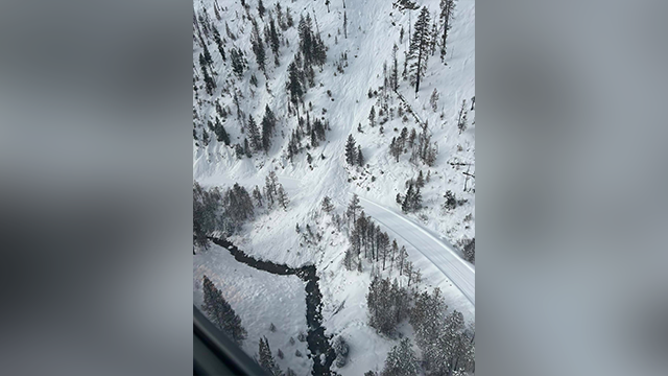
(260, 298)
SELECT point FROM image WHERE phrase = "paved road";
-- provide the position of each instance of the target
(441, 254)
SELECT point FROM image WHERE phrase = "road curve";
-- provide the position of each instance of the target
(441, 254)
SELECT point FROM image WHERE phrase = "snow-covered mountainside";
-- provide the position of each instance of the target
(317, 93)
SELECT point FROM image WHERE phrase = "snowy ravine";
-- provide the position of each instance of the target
(373, 27)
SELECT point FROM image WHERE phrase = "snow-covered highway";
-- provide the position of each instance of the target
(441, 254)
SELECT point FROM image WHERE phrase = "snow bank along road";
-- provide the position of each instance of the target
(442, 255)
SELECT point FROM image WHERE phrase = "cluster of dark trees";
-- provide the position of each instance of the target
(469, 251)
(313, 132)
(388, 304)
(365, 234)
(312, 52)
(447, 344)
(227, 211)
(206, 209)
(354, 156)
(275, 21)
(451, 202)
(221, 313)
(256, 141)
(419, 145)
(412, 200)
(274, 193)
(462, 118)
(266, 359)
(401, 360)
(425, 39)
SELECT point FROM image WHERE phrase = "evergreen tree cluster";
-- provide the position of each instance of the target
(446, 344)
(312, 51)
(420, 146)
(266, 358)
(221, 134)
(354, 156)
(405, 5)
(221, 313)
(312, 47)
(412, 201)
(469, 251)
(258, 47)
(216, 210)
(206, 206)
(274, 193)
(237, 209)
(401, 360)
(388, 304)
(365, 234)
(313, 132)
(446, 17)
(239, 63)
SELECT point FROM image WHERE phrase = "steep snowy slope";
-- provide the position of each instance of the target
(341, 99)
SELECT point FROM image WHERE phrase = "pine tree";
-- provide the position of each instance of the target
(420, 180)
(394, 76)
(461, 120)
(221, 313)
(403, 255)
(247, 149)
(254, 134)
(408, 200)
(433, 100)
(274, 40)
(238, 62)
(268, 126)
(260, 9)
(207, 55)
(282, 197)
(395, 250)
(209, 83)
(257, 195)
(351, 155)
(219, 43)
(447, 8)
(419, 48)
(360, 157)
(372, 117)
(294, 84)
(395, 149)
(327, 205)
(239, 151)
(288, 17)
(258, 47)
(270, 188)
(353, 208)
(266, 359)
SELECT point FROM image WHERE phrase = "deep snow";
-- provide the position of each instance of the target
(272, 235)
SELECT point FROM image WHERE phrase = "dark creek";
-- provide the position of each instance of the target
(318, 342)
